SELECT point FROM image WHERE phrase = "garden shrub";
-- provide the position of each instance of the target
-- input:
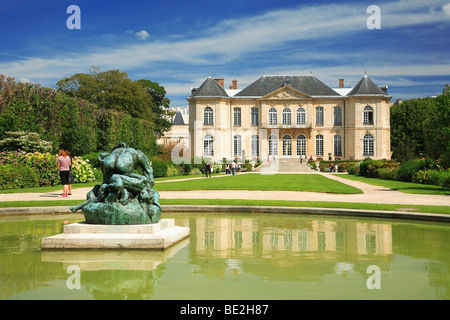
(82, 170)
(407, 170)
(195, 172)
(93, 158)
(387, 173)
(174, 171)
(15, 177)
(159, 168)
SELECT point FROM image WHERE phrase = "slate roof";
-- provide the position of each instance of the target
(366, 87)
(210, 88)
(178, 119)
(306, 84)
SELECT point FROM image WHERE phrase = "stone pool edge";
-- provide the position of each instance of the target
(432, 217)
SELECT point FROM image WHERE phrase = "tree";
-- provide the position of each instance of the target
(111, 89)
(421, 127)
(160, 106)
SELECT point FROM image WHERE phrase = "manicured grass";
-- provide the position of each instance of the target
(254, 181)
(49, 189)
(277, 203)
(406, 187)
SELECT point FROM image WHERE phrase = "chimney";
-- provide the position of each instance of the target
(220, 81)
(234, 86)
(341, 83)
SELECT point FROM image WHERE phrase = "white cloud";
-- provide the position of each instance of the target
(142, 34)
(446, 9)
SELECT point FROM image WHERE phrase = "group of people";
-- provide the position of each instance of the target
(64, 163)
(232, 168)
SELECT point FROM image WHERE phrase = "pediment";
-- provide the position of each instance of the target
(286, 93)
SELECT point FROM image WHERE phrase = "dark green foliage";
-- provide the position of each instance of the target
(71, 122)
(159, 167)
(421, 127)
(15, 177)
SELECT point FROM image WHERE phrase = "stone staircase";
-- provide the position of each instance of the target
(284, 165)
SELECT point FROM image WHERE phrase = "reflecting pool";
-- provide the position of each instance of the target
(236, 256)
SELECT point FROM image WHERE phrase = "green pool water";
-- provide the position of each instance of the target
(235, 256)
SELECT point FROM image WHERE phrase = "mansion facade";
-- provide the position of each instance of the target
(289, 117)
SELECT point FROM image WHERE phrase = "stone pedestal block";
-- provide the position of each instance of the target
(160, 235)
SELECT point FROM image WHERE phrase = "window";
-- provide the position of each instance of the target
(208, 117)
(237, 117)
(255, 117)
(255, 145)
(319, 145)
(368, 149)
(301, 117)
(237, 145)
(273, 118)
(338, 146)
(301, 145)
(368, 115)
(287, 118)
(319, 116)
(208, 146)
(337, 116)
(287, 145)
(273, 145)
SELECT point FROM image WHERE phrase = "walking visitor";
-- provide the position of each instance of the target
(64, 164)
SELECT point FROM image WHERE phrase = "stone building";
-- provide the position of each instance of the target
(289, 117)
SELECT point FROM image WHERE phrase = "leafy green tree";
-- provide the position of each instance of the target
(421, 127)
(110, 89)
(160, 106)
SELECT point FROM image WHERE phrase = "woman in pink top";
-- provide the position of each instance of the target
(64, 170)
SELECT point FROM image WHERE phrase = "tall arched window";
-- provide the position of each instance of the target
(301, 145)
(254, 145)
(273, 117)
(301, 117)
(287, 145)
(208, 146)
(287, 118)
(368, 115)
(368, 145)
(208, 118)
(237, 145)
(319, 145)
(338, 145)
(273, 145)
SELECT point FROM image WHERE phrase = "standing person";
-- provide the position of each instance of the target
(71, 179)
(64, 164)
(227, 169)
(207, 169)
(233, 167)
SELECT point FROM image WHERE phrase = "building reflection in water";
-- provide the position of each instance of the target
(301, 248)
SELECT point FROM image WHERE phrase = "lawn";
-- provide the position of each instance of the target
(276, 203)
(406, 187)
(255, 181)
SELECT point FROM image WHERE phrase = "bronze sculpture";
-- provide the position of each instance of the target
(126, 195)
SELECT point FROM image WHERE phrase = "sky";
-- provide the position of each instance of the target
(404, 44)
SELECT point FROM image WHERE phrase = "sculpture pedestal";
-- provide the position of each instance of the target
(81, 235)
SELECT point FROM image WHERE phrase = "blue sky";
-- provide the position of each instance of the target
(179, 43)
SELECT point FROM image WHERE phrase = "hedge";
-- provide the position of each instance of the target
(16, 177)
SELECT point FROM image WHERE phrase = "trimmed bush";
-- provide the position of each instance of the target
(15, 177)
(407, 169)
(159, 168)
